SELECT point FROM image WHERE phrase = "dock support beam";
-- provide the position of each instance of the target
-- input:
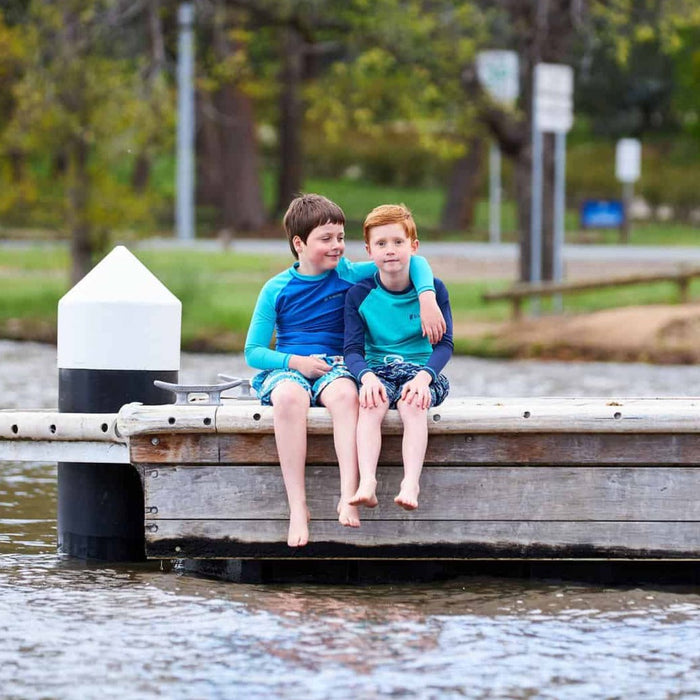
(118, 330)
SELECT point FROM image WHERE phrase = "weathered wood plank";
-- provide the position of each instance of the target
(42, 424)
(175, 448)
(443, 449)
(89, 452)
(448, 493)
(426, 540)
(525, 415)
(137, 419)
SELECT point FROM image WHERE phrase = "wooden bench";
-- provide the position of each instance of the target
(520, 291)
(557, 479)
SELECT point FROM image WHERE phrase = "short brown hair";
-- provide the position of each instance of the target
(305, 213)
(391, 214)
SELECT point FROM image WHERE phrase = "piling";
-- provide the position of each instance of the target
(118, 331)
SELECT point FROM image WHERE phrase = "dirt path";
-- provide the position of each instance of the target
(664, 334)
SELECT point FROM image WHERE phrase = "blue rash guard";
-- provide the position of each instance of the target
(381, 325)
(306, 312)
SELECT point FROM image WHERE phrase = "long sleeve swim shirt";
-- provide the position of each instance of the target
(381, 325)
(305, 313)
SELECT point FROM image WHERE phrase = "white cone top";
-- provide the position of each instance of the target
(119, 316)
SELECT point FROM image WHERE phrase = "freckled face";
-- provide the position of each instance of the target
(390, 247)
(324, 247)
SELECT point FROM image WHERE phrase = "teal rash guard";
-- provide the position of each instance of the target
(381, 326)
(306, 312)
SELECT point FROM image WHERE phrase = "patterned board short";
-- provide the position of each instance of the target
(266, 381)
(393, 375)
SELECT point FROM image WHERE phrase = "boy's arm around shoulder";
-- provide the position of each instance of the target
(442, 350)
(432, 319)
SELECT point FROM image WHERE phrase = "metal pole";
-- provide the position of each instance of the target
(494, 193)
(559, 210)
(627, 196)
(536, 201)
(184, 212)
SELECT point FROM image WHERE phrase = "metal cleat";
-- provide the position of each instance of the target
(244, 384)
(187, 393)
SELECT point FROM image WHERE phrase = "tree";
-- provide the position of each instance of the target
(77, 105)
(623, 35)
(399, 75)
(227, 151)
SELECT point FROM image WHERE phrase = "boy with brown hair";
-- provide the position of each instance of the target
(395, 364)
(303, 307)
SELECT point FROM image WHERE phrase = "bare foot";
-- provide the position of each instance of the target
(366, 495)
(348, 515)
(408, 496)
(298, 534)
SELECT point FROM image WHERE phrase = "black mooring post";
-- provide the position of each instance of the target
(118, 331)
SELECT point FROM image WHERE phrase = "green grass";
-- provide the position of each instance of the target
(358, 197)
(218, 292)
(649, 234)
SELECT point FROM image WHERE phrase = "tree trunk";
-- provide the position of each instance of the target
(548, 207)
(142, 166)
(462, 190)
(78, 190)
(17, 158)
(241, 204)
(523, 196)
(228, 176)
(210, 174)
(546, 31)
(523, 189)
(290, 119)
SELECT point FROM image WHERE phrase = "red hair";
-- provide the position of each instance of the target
(391, 214)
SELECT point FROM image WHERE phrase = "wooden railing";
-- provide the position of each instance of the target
(521, 291)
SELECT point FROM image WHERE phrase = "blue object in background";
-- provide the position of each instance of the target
(602, 213)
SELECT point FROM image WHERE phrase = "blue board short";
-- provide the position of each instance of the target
(265, 382)
(393, 375)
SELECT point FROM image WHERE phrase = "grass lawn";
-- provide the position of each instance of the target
(218, 292)
(358, 197)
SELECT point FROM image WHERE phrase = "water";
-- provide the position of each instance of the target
(70, 630)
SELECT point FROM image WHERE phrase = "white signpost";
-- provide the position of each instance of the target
(498, 74)
(628, 168)
(552, 111)
(628, 160)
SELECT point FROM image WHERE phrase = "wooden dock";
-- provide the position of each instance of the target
(528, 479)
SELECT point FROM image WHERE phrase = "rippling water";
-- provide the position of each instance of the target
(70, 630)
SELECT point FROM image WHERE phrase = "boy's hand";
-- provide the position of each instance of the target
(417, 391)
(372, 391)
(310, 367)
(432, 322)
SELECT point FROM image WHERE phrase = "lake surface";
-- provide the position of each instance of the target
(71, 630)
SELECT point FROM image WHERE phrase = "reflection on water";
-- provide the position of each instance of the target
(27, 507)
(70, 630)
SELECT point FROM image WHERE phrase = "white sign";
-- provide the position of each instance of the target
(554, 97)
(628, 160)
(498, 73)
